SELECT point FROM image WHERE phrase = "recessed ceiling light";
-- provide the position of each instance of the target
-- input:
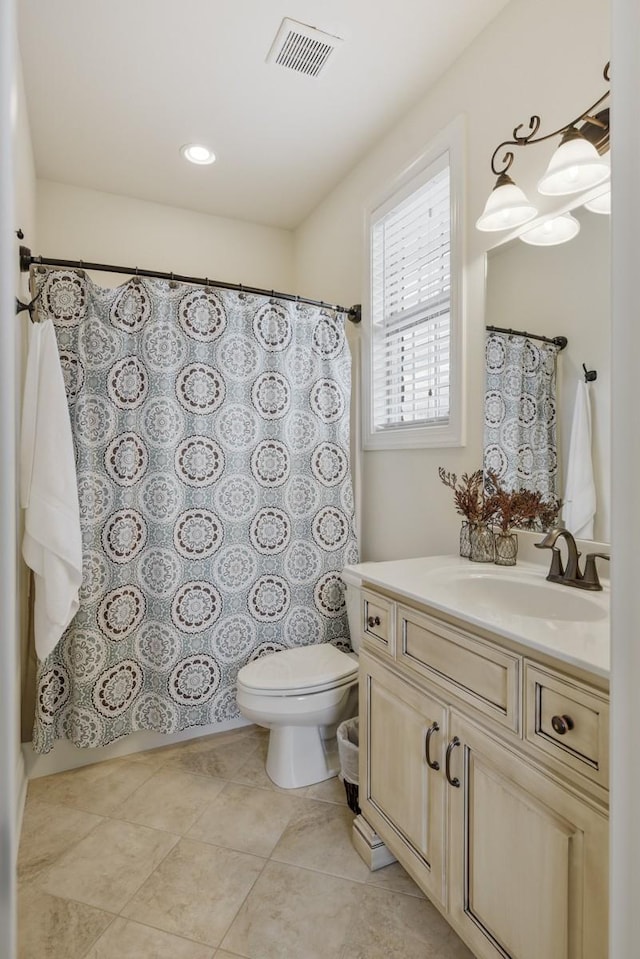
(196, 153)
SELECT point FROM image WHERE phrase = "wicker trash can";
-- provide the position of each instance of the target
(348, 749)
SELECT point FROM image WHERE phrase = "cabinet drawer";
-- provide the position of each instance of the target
(378, 621)
(479, 673)
(568, 721)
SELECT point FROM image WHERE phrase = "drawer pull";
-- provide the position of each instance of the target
(447, 763)
(433, 728)
(373, 621)
(561, 724)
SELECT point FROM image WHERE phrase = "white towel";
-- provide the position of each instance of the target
(52, 543)
(580, 489)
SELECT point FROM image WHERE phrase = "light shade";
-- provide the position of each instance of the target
(576, 165)
(196, 153)
(506, 208)
(559, 229)
(601, 203)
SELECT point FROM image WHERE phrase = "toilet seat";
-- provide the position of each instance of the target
(298, 672)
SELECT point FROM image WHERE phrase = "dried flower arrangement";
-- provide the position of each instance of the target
(469, 495)
(522, 508)
(485, 500)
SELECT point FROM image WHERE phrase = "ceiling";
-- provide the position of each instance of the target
(116, 87)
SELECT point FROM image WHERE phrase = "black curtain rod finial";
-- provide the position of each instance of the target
(25, 259)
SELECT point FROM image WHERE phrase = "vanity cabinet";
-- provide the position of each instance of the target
(528, 859)
(405, 791)
(463, 776)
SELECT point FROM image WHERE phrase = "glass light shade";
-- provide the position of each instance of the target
(576, 165)
(196, 153)
(559, 229)
(507, 207)
(600, 204)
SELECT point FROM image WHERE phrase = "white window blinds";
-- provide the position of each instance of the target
(411, 303)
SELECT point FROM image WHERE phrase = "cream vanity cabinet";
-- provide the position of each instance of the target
(468, 775)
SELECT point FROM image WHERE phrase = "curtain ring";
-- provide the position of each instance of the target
(172, 282)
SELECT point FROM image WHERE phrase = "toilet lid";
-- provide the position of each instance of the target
(304, 667)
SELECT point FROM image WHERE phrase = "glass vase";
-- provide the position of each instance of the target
(465, 540)
(506, 549)
(483, 547)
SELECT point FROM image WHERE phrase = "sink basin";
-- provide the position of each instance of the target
(520, 596)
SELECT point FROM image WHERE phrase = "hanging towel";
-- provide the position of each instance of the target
(580, 489)
(52, 543)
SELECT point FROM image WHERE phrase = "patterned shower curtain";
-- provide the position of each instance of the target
(211, 432)
(520, 413)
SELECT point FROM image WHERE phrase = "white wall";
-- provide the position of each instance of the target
(624, 920)
(79, 224)
(566, 290)
(17, 204)
(520, 65)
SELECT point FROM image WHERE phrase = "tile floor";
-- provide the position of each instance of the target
(190, 852)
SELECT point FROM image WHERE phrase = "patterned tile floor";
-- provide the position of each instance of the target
(190, 852)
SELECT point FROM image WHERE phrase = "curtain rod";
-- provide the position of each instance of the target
(559, 341)
(354, 313)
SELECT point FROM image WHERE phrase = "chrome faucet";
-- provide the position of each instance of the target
(571, 576)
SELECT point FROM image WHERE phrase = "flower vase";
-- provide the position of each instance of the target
(483, 547)
(465, 540)
(506, 549)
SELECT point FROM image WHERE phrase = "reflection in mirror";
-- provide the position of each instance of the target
(565, 290)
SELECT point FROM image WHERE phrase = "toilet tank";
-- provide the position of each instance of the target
(353, 595)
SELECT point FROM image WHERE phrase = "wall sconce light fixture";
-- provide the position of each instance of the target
(576, 165)
(551, 232)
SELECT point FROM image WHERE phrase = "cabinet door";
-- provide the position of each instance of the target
(401, 795)
(528, 860)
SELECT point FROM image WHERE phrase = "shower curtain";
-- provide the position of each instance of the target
(520, 413)
(211, 434)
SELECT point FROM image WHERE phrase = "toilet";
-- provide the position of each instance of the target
(301, 695)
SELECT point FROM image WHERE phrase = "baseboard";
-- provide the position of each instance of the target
(65, 755)
(369, 845)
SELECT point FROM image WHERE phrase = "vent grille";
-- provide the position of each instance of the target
(302, 48)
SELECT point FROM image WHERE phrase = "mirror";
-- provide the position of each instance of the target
(565, 290)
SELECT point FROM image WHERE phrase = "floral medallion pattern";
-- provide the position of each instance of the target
(211, 430)
(520, 413)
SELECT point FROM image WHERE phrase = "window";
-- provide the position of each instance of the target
(413, 379)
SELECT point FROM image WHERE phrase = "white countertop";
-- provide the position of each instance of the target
(437, 581)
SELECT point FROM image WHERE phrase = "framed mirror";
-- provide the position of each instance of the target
(565, 290)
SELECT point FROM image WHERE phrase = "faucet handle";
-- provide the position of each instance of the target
(590, 575)
(556, 569)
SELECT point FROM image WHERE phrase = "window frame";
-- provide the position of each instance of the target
(424, 435)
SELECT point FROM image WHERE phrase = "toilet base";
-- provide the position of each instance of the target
(297, 757)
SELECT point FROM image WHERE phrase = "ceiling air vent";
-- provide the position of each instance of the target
(301, 47)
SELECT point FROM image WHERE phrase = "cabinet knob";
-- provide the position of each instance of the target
(432, 764)
(447, 763)
(561, 724)
(373, 621)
